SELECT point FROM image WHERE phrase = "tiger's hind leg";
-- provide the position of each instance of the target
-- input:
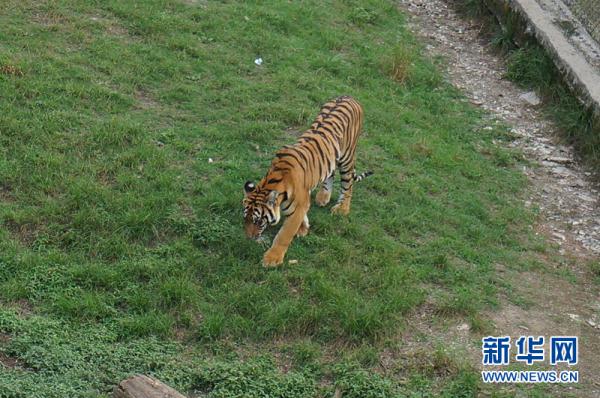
(304, 227)
(347, 174)
(324, 195)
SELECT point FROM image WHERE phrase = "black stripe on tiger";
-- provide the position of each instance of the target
(362, 176)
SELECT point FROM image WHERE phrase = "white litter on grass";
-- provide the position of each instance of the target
(210, 160)
(258, 61)
(292, 262)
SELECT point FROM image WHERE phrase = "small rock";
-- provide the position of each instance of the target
(531, 98)
(563, 171)
(559, 159)
(549, 164)
(586, 198)
(462, 327)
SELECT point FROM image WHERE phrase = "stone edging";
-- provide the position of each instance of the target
(577, 72)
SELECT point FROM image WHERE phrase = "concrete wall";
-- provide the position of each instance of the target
(532, 22)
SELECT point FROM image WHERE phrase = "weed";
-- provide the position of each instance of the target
(594, 267)
(399, 65)
(356, 383)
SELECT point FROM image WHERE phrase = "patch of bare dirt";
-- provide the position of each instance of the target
(560, 187)
(6, 360)
(9, 362)
(24, 308)
(106, 178)
(24, 233)
(6, 194)
(11, 70)
(295, 131)
(559, 308)
(145, 99)
(49, 19)
(113, 27)
(4, 338)
(431, 345)
(117, 30)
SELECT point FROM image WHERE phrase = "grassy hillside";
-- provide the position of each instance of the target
(127, 130)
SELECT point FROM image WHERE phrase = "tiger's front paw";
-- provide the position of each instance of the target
(273, 257)
(341, 209)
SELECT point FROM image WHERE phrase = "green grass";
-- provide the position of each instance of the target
(125, 243)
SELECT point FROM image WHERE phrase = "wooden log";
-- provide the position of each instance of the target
(140, 386)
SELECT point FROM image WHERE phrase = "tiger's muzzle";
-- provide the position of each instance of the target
(252, 230)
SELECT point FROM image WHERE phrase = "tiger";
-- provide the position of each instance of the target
(296, 170)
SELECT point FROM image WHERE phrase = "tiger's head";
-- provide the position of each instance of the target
(260, 209)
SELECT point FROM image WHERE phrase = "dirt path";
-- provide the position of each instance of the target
(560, 188)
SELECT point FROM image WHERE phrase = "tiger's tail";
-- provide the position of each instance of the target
(363, 175)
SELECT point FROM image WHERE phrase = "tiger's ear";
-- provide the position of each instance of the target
(272, 198)
(249, 187)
